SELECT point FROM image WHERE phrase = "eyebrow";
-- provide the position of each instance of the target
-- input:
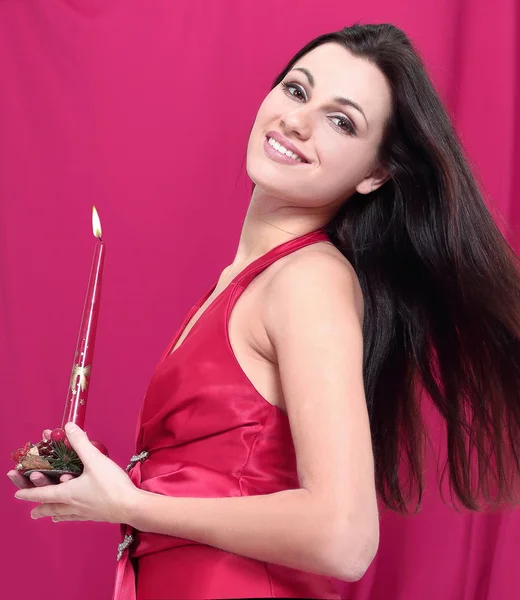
(338, 99)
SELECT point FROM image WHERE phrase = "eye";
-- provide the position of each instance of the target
(287, 87)
(347, 127)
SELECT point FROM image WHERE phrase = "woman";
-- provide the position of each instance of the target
(368, 269)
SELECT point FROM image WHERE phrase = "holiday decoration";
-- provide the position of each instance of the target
(58, 435)
(55, 456)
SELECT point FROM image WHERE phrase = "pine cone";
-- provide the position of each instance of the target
(45, 448)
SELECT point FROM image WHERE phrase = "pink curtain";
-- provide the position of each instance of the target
(143, 109)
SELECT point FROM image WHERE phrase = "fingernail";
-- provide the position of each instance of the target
(70, 427)
(17, 495)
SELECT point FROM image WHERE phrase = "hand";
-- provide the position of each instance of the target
(103, 492)
(36, 479)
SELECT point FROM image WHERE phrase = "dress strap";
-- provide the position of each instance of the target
(260, 264)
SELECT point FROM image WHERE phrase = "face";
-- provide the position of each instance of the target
(339, 140)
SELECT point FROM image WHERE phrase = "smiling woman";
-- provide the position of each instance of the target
(288, 399)
(339, 105)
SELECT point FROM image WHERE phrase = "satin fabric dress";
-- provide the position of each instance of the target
(205, 431)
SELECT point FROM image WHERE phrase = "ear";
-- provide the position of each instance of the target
(373, 180)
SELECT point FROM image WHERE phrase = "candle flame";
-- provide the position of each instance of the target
(96, 223)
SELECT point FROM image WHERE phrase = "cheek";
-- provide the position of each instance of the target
(345, 161)
(259, 128)
(266, 112)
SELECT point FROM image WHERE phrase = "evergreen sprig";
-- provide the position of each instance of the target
(65, 459)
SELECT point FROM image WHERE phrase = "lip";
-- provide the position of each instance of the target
(286, 144)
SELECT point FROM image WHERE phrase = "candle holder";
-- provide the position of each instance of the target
(51, 456)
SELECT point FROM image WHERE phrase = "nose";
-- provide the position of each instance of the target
(297, 122)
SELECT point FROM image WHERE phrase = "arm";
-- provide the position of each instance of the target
(313, 316)
(286, 528)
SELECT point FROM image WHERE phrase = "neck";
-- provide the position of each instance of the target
(269, 223)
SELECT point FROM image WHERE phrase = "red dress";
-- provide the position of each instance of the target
(205, 431)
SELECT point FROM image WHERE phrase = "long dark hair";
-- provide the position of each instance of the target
(441, 288)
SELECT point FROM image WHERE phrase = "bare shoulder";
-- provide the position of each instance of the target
(318, 277)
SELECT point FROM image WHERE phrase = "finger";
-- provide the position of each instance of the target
(68, 518)
(19, 480)
(46, 435)
(50, 510)
(39, 479)
(44, 494)
(35, 479)
(81, 444)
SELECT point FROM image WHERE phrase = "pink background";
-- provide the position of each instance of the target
(143, 109)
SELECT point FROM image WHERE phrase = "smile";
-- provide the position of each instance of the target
(280, 154)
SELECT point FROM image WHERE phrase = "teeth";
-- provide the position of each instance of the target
(283, 150)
